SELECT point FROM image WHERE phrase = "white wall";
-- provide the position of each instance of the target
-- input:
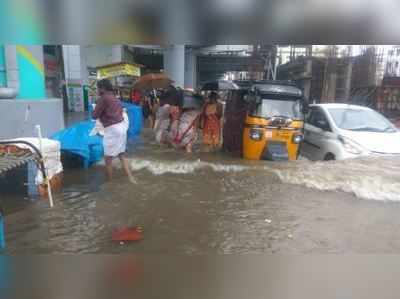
(19, 118)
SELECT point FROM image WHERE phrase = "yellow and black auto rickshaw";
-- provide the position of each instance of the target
(273, 120)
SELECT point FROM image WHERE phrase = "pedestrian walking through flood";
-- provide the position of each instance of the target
(110, 113)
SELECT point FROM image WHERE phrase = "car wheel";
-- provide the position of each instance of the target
(329, 157)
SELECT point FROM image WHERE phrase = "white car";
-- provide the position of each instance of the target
(342, 131)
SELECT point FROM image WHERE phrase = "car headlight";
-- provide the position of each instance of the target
(350, 146)
(256, 134)
(297, 138)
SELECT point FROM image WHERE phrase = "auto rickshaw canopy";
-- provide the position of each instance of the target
(271, 87)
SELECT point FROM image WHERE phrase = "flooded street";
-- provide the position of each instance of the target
(215, 204)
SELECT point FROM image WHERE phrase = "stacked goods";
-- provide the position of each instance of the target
(51, 155)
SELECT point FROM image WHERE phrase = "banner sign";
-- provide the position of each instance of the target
(118, 70)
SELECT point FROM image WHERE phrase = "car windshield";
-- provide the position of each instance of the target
(284, 108)
(360, 120)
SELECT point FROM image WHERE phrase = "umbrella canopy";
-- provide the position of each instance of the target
(220, 85)
(152, 81)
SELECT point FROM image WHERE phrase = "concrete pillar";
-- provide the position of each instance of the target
(84, 69)
(174, 64)
(75, 76)
(72, 61)
(332, 87)
(349, 72)
(31, 72)
(190, 69)
(307, 81)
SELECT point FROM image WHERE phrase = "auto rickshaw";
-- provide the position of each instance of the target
(271, 123)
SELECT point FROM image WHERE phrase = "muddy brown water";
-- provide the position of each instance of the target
(208, 203)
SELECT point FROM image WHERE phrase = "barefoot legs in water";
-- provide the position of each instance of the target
(189, 148)
(125, 166)
(109, 170)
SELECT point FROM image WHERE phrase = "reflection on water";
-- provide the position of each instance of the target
(213, 203)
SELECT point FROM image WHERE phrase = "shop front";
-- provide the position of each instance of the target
(122, 76)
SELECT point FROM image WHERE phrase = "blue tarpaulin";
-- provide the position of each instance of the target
(135, 116)
(76, 139)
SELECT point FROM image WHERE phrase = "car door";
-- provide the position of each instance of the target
(316, 134)
(306, 147)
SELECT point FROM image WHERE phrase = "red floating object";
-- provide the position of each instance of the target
(126, 234)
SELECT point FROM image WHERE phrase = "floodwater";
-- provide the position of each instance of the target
(210, 203)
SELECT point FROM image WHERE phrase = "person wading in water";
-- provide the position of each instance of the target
(211, 122)
(110, 113)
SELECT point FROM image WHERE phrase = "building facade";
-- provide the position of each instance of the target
(24, 99)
